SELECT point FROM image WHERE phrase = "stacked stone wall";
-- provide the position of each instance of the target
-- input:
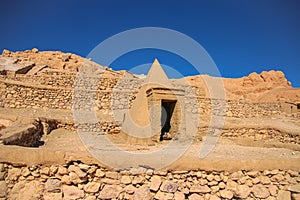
(49, 91)
(83, 181)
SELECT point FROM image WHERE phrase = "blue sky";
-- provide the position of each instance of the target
(241, 36)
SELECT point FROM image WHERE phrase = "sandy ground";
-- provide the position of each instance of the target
(229, 154)
(62, 146)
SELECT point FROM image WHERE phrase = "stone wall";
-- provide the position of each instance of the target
(243, 109)
(254, 133)
(57, 92)
(53, 90)
(239, 109)
(23, 96)
(81, 181)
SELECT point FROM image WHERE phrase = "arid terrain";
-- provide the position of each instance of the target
(44, 154)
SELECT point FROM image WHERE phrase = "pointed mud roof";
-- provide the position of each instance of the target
(157, 75)
(139, 112)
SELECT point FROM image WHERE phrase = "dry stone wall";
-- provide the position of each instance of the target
(259, 134)
(82, 181)
(239, 109)
(56, 90)
(252, 133)
(243, 109)
(20, 96)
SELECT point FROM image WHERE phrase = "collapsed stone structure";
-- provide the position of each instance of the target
(38, 83)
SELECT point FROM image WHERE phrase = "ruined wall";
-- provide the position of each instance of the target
(82, 181)
(56, 91)
(48, 91)
(255, 134)
(20, 96)
(239, 109)
(247, 109)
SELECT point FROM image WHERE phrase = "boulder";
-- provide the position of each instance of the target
(155, 183)
(226, 194)
(51, 196)
(284, 195)
(92, 187)
(27, 190)
(243, 191)
(200, 189)
(110, 192)
(72, 192)
(53, 185)
(260, 191)
(125, 180)
(196, 197)
(142, 192)
(169, 187)
(294, 188)
(77, 170)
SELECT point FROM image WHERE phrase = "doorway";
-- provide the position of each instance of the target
(167, 108)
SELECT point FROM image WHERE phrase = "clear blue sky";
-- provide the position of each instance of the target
(241, 36)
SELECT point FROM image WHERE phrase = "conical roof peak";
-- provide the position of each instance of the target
(157, 75)
(155, 61)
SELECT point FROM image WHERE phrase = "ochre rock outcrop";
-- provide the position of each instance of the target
(52, 59)
(264, 87)
(268, 86)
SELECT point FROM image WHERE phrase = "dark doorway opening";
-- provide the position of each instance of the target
(166, 115)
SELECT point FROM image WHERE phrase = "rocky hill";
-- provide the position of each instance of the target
(38, 60)
(264, 87)
(53, 124)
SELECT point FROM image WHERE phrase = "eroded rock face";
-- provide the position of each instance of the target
(268, 86)
(273, 78)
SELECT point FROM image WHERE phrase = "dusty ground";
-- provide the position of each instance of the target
(62, 145)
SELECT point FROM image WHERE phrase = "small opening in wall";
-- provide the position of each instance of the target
(166, 116)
